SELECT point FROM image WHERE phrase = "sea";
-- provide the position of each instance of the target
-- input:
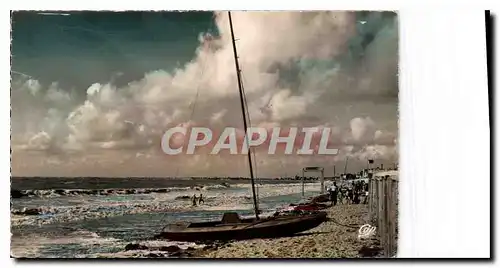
(93, 217)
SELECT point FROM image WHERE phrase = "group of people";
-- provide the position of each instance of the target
(355, 193)
(200, 200)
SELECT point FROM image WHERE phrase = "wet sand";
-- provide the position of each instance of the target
(333, 239)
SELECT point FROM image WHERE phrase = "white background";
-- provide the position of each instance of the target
(444, 135)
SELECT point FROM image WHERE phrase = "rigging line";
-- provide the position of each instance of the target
(203, 67)
(247, 112)
(248, 116)
(252, 150)
(176, 174)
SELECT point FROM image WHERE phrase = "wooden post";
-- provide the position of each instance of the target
(374, 190)
(380, 211)
(392, 216)
(383, 205)
(387, 243)
(375, 201)
(389, 218)
(370, 200)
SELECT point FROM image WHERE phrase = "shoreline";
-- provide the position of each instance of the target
(336, 238)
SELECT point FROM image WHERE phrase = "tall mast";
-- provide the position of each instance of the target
(256, 208)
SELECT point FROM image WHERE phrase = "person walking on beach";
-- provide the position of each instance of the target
(355, 199)
(333, 194)
(341, 195)
(365, 200)
(348, 196)
(201, 199)
(194, 200)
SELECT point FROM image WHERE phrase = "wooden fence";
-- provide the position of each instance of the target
(383, 207)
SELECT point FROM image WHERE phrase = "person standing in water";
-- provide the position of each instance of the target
(194, 200)
(201, 199)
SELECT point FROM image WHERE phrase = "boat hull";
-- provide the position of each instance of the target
(321, 198)
(267, 228)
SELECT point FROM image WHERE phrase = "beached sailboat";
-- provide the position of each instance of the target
(232, 227)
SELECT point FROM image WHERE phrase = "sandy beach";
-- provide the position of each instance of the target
(122, 225)
(337, 238)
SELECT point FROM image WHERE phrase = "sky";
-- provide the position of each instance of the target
(93, 92)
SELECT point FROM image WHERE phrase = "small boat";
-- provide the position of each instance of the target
(232, 227)
(301, 208)
(309, 206)
(320, 198)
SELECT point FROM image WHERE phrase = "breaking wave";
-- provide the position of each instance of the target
(106, 192)
(30, 211)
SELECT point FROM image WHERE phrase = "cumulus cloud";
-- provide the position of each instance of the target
(299, 69)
